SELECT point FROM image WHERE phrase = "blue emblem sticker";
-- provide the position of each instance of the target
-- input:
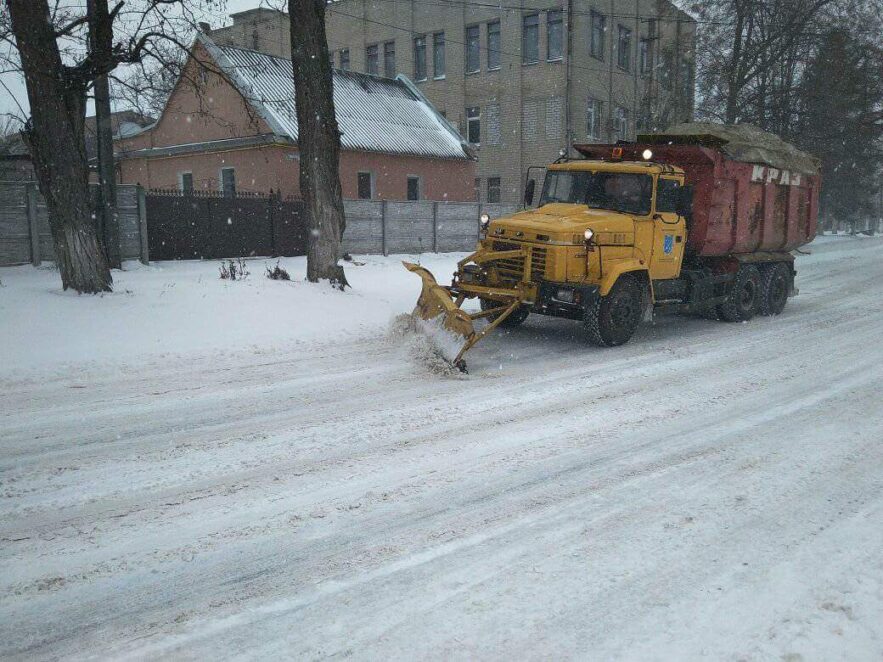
(668, 244)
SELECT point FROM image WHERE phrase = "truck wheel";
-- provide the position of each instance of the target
(775, 283)
(741, 305)
(612, 320)
(515, 319)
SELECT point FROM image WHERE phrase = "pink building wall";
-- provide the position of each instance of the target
(205, 107)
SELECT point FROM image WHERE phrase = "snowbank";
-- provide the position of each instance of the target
(174, 308)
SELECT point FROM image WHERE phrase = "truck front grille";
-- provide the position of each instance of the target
(513, 269)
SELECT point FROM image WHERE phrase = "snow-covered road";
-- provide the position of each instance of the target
(708, 491)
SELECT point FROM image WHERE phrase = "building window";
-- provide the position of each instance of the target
(554, 31)
(493, 134)
(644, 57)
(438, 55)
(477, 189)
(372, 60)
(366, 186)
(624, 48)
(593, 119)
(473, 53)
(420, 57)
(530, 39)
(344, 58)
(389, 59)
(666, 71)
(473, 125)
(185, 182)
(493, 45)
(228, 182)
(599, 30)
(413, 188)
(493, 189)
(621, 123)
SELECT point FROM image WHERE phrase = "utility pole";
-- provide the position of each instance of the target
(101, 42)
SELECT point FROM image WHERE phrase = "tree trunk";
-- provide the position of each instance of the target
(56, 139)
(318, 139)
(101, 41)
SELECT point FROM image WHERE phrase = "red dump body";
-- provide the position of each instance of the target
(738, 207)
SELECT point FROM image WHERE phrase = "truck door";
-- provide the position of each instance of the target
(669, 231)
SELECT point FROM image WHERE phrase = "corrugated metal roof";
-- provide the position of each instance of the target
(374, 114)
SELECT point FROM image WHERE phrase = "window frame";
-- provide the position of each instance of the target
(645, 50)
(493, 52)
(597, 113)
(371, 191)
(524, 31)
(408, 180)
(470, 119)
(419, 46)
(621, 112)
(624, 55)
(344, 64)
(498, 187)
(597, 52)
(222, 185)
(560, 23)
(368, 58)
(468, 46)
(674, 200)
(181, 186)
(439, 38)
(386, 59)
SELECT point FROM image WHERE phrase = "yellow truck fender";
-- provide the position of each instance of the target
(614, 269)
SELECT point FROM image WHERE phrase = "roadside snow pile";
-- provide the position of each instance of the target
(169, 309)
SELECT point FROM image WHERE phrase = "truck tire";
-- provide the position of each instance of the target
(775, 283)
(742, 302)
(611, 321)
(515, 319)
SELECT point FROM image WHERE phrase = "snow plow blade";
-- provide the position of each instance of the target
(438, 307)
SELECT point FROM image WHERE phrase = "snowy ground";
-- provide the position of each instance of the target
(252, 470)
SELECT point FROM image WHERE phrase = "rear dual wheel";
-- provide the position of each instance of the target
(775, 284)
(742, 303)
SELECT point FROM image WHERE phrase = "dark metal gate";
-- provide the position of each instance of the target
(210, 225)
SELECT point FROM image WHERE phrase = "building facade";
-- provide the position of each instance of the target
(230, 125)
(521, 81)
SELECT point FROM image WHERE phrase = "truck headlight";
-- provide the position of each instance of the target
(647, 154)
(587, 235)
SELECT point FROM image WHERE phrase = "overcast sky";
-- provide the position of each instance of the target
(14, 97)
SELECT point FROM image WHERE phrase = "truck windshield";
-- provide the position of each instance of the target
(617, 191)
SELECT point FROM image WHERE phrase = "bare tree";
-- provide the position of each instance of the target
(318, 139)
(64, 54)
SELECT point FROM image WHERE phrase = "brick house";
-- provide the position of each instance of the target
(230, 125)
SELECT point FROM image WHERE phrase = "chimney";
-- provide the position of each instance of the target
(205, 28)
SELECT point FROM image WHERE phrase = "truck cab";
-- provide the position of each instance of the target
(595, 221)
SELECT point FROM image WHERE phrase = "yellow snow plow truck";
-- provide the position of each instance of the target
(607, 242)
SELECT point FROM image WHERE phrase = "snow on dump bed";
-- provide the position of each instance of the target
(741, 142)
(375, 114)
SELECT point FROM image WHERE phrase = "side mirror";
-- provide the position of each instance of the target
(685, 201)
(529, 191)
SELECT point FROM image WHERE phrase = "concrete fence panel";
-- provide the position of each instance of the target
(24, 224)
